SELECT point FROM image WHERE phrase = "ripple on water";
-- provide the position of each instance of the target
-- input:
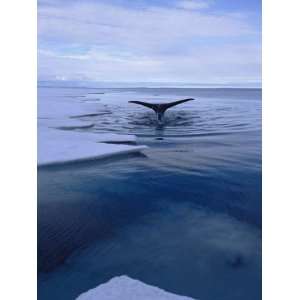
(206, 245)
(177, 123)
(211, 255)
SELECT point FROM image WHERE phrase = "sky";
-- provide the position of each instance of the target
(185, 41)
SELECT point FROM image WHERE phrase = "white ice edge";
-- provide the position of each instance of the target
(59, 143)
(60, 146)
(86, 157)
(126, 288)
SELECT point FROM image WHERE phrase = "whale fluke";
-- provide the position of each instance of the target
(160, 108)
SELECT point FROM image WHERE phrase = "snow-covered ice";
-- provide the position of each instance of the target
(58, 140)
(61, 146)
(126, 288)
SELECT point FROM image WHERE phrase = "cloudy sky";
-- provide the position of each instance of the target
(198, 41)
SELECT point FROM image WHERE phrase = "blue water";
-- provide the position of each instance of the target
(185, 215)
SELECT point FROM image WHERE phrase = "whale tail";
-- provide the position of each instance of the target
(160, 108)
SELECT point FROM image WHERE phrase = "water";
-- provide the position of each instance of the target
(185, 215)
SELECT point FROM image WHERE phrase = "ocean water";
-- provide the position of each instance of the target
(185, 215)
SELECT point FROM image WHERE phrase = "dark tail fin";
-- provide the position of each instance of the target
(150, 105)
(168, 105)
(160, 108)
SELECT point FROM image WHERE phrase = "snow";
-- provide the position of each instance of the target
(63, 139)
(126, 288)
(60, 146)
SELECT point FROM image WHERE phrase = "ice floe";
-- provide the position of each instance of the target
(59, 146)
(63, 139)
(126, 288)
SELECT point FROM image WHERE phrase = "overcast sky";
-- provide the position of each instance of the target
(209, 41)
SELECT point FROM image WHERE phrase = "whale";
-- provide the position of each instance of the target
(160, 108)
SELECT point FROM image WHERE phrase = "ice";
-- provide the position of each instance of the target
(60, 146)
(126, 288)
(63, 139)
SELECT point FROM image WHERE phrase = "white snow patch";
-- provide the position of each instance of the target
(58, 142)
(59, 146)
(126, 288)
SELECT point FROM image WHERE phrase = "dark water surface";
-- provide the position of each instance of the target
(185, 215)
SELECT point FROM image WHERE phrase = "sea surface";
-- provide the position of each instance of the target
(184, 215)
